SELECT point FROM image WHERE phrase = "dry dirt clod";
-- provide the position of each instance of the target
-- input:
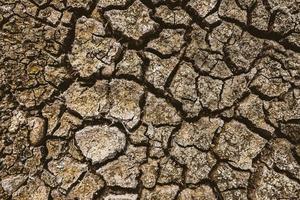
(99, 143)
(37, 128)
(133, 22)
(239, 145)
(201, 192)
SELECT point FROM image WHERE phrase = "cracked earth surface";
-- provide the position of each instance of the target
(150, 99)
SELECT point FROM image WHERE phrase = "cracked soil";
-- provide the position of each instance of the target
(149, 99)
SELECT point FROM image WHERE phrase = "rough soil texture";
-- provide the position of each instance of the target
(150, 99)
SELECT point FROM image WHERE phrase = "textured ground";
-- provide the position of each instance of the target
(152, 100)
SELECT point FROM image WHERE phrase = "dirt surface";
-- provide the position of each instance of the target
(150, 99)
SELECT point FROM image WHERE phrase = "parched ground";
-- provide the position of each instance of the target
(150, 99)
